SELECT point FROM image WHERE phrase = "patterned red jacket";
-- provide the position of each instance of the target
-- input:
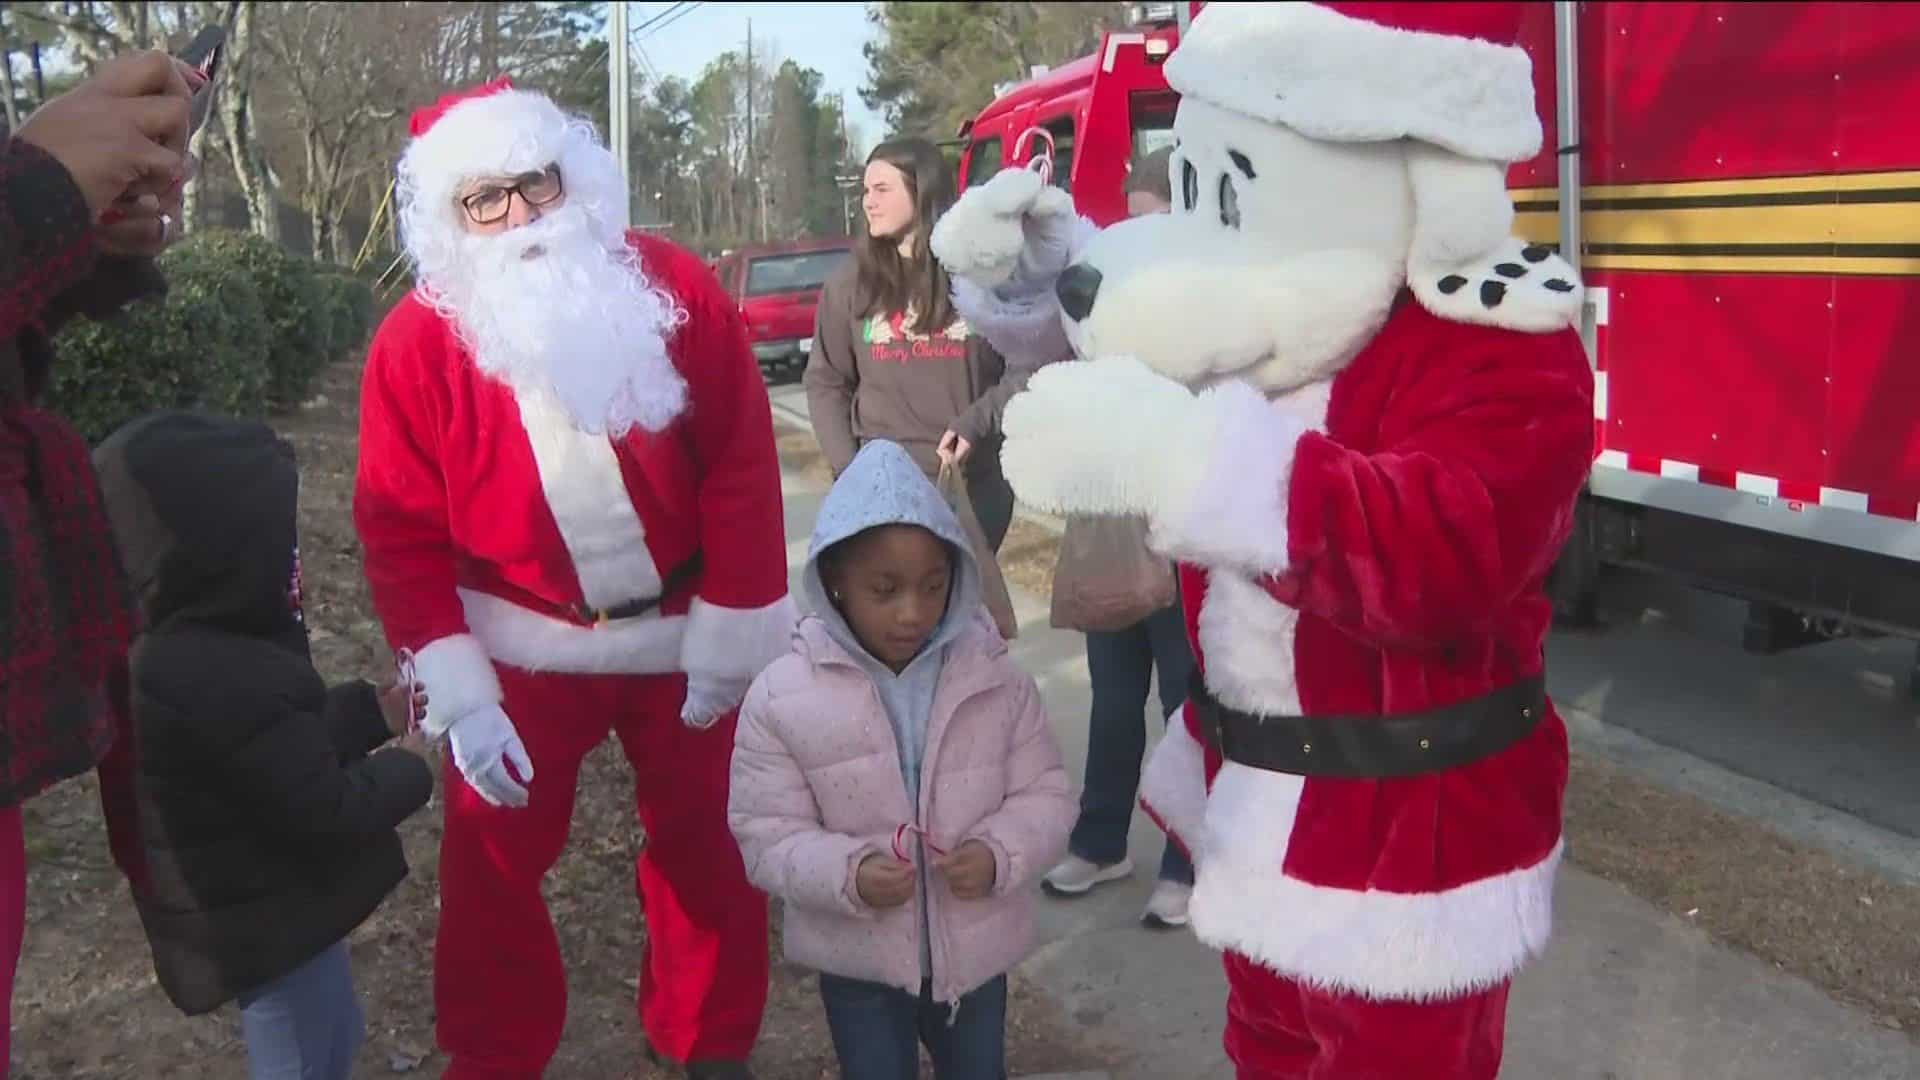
(65, 612)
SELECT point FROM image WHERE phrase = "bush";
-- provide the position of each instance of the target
(298, 340)
(349, 306)
(205, 346)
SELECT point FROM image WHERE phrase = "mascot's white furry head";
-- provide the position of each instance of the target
(561, 305)
(1329, 154)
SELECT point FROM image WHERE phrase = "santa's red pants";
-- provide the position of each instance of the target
(499, 986)
(1277, 1029)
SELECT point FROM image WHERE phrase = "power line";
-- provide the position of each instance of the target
(671, 17)
(671, 9)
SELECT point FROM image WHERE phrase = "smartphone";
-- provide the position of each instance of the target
(204, 53)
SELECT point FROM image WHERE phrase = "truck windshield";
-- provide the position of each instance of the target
(798, 272)
(1152, 121)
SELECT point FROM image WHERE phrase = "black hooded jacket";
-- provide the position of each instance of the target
(264, 823)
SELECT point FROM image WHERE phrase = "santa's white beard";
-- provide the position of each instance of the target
(551, 307)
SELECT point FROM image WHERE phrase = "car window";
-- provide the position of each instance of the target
(1061, 129)
(1152, 121)
(985, 160)
(797, 272)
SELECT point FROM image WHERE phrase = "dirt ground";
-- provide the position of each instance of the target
(86, 1005)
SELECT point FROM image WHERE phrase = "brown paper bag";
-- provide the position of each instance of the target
(1107, 578)
(993, 587)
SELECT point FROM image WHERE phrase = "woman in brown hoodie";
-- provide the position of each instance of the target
(892, 360)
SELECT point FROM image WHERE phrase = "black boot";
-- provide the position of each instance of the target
(718, 1070)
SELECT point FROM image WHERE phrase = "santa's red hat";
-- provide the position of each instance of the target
(1448, 74)
(423, 119)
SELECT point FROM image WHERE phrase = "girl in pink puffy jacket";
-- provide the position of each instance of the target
(895, 783)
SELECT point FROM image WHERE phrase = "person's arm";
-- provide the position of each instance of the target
(400, 512)
(741, 617)
(788, 852)
(1029, 830)
(832, 376)
(1426, 536)
(46, 235)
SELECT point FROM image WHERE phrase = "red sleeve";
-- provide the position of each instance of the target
(1465, 504)
(400, 492)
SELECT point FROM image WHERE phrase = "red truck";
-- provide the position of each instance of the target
(777, 288)
(1741, 191)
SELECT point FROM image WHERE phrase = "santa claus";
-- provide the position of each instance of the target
(570, 505)
(1373, 418)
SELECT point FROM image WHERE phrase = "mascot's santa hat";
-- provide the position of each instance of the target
(1447, 76)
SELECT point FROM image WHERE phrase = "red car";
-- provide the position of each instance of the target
(777, 288)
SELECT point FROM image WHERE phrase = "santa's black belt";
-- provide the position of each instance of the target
(1403, 744)
(681, 575)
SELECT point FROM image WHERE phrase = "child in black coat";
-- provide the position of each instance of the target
(252, 810)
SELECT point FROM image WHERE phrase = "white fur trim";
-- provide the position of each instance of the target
(1418, 946)
(588, 496)
(1247, 637)
(1173, 787)
(1343, 79)
(1234, 510)
(724, 643)
(1526, 303)
(459, 678)
(530, 641)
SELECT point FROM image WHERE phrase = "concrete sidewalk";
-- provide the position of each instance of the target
(1625, 992)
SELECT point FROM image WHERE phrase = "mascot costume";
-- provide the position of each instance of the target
(1357, 412)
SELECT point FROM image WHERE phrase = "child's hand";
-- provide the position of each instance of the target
(393, 706)
(969, 870)
(884, 882)
(414, 743)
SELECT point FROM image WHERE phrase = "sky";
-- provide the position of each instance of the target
(825, 37)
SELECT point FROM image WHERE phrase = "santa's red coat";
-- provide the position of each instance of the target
(490, 522)
(1416, 521)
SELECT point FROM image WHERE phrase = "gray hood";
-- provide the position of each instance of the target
(884, 487)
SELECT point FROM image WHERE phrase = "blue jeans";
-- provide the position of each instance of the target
(1120, 665)
(877, 1031)
(305, 1025)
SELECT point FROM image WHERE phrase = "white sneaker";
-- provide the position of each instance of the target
(1167, 907)
(1075, 876)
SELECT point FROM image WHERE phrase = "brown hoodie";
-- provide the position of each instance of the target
(871, 378)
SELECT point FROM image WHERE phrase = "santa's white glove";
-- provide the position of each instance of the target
(1014, 234)
(1108, 436)
(709, 698)
(484, 743)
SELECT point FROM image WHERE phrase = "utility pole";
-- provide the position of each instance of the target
(846, 159)
(753, 174)
(618, 132)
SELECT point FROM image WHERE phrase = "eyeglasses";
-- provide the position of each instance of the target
(490, 204)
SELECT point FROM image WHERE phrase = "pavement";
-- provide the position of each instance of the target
(1625, 991)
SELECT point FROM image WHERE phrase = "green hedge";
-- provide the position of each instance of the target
(245, 327)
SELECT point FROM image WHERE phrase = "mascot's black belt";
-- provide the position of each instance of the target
(681, 575)
(1404, 744)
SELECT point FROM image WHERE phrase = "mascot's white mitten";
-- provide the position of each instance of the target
(709, 698)
(1014, 233)
(1098, 437)
(1004, 244)
(484, 743)
(1115, 437)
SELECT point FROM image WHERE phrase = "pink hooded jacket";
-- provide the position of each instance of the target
(817, 787)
